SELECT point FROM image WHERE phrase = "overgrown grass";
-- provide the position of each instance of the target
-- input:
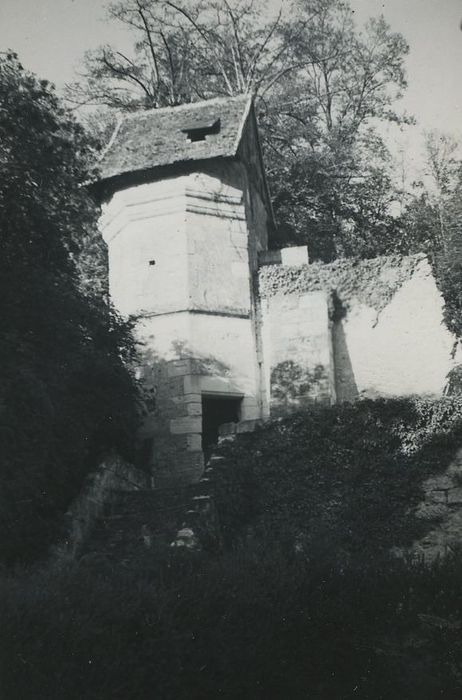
(255, 623)
(305, 602)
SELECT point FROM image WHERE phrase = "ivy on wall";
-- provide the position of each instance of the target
(371, 282)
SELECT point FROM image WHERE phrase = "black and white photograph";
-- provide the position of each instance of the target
(230, 349)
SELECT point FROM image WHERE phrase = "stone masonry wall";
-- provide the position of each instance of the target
(388, 337)
(441, 509)
(400, 350)
(182, 253)
(297, 351)
(218, 359)
(100, 488)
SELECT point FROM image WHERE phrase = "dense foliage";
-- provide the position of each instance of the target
(257, 624)
(66, 394)
(339, 482)
(330, 172)
(305, 602)
(433, 224)
(448, 256)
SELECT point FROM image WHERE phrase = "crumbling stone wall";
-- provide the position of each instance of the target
(297, 351)
(441, 510)
(384, 333)
(100, 489)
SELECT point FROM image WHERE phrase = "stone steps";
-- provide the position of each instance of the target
(144, 523)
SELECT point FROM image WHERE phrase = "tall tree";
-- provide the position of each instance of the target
(443, 169)
(322, 124)
(321, 86)
(187, 50)
(66, 393)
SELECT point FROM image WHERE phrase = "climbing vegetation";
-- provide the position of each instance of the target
(339, 483)
(66, 395)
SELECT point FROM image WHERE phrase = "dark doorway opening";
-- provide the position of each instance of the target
(215, 412)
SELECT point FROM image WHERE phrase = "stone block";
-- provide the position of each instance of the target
(178, 368)
(191, 384)
(192, 398)
(431, 511)
(194, 443)
(176, 386)
(441, 482)
(250, 412)
(216, 460)
(190, 424)
(437, 496)
(455, 496)
(295, 255)
(194, 409)
(239, 239)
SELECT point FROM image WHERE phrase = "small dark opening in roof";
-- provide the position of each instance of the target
(198, 131)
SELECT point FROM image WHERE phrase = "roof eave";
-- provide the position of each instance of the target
(251, 112)
(105, 186)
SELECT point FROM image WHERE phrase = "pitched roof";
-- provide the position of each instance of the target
(157, 137)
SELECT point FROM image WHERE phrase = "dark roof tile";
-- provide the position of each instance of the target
(157, 137)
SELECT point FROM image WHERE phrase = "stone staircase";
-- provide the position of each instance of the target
(145, 523)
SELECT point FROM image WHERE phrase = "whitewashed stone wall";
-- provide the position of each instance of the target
(388, 339)
(182, 253)
(402, 350)
(297, 351)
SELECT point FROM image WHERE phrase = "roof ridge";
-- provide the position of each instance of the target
(186, 105)
(153, 138)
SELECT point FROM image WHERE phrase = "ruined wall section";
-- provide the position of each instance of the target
(386, 333)
(297, 351)
(296, 335)
(400, 350)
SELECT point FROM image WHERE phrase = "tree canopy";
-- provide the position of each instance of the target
(330, 171)
(186, 50)
(321, 85)
(66, 393)
(433, 222)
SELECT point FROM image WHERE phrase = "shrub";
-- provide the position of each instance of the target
(340, 481)
(66, 393)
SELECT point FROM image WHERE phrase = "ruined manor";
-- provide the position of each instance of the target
(230, 331)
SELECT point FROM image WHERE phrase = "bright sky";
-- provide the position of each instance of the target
(51, 36)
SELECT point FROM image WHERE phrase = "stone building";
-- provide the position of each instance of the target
(186, 212)
(230, 331)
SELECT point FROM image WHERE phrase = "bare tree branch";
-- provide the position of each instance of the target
(126, 75)
(151, 45)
